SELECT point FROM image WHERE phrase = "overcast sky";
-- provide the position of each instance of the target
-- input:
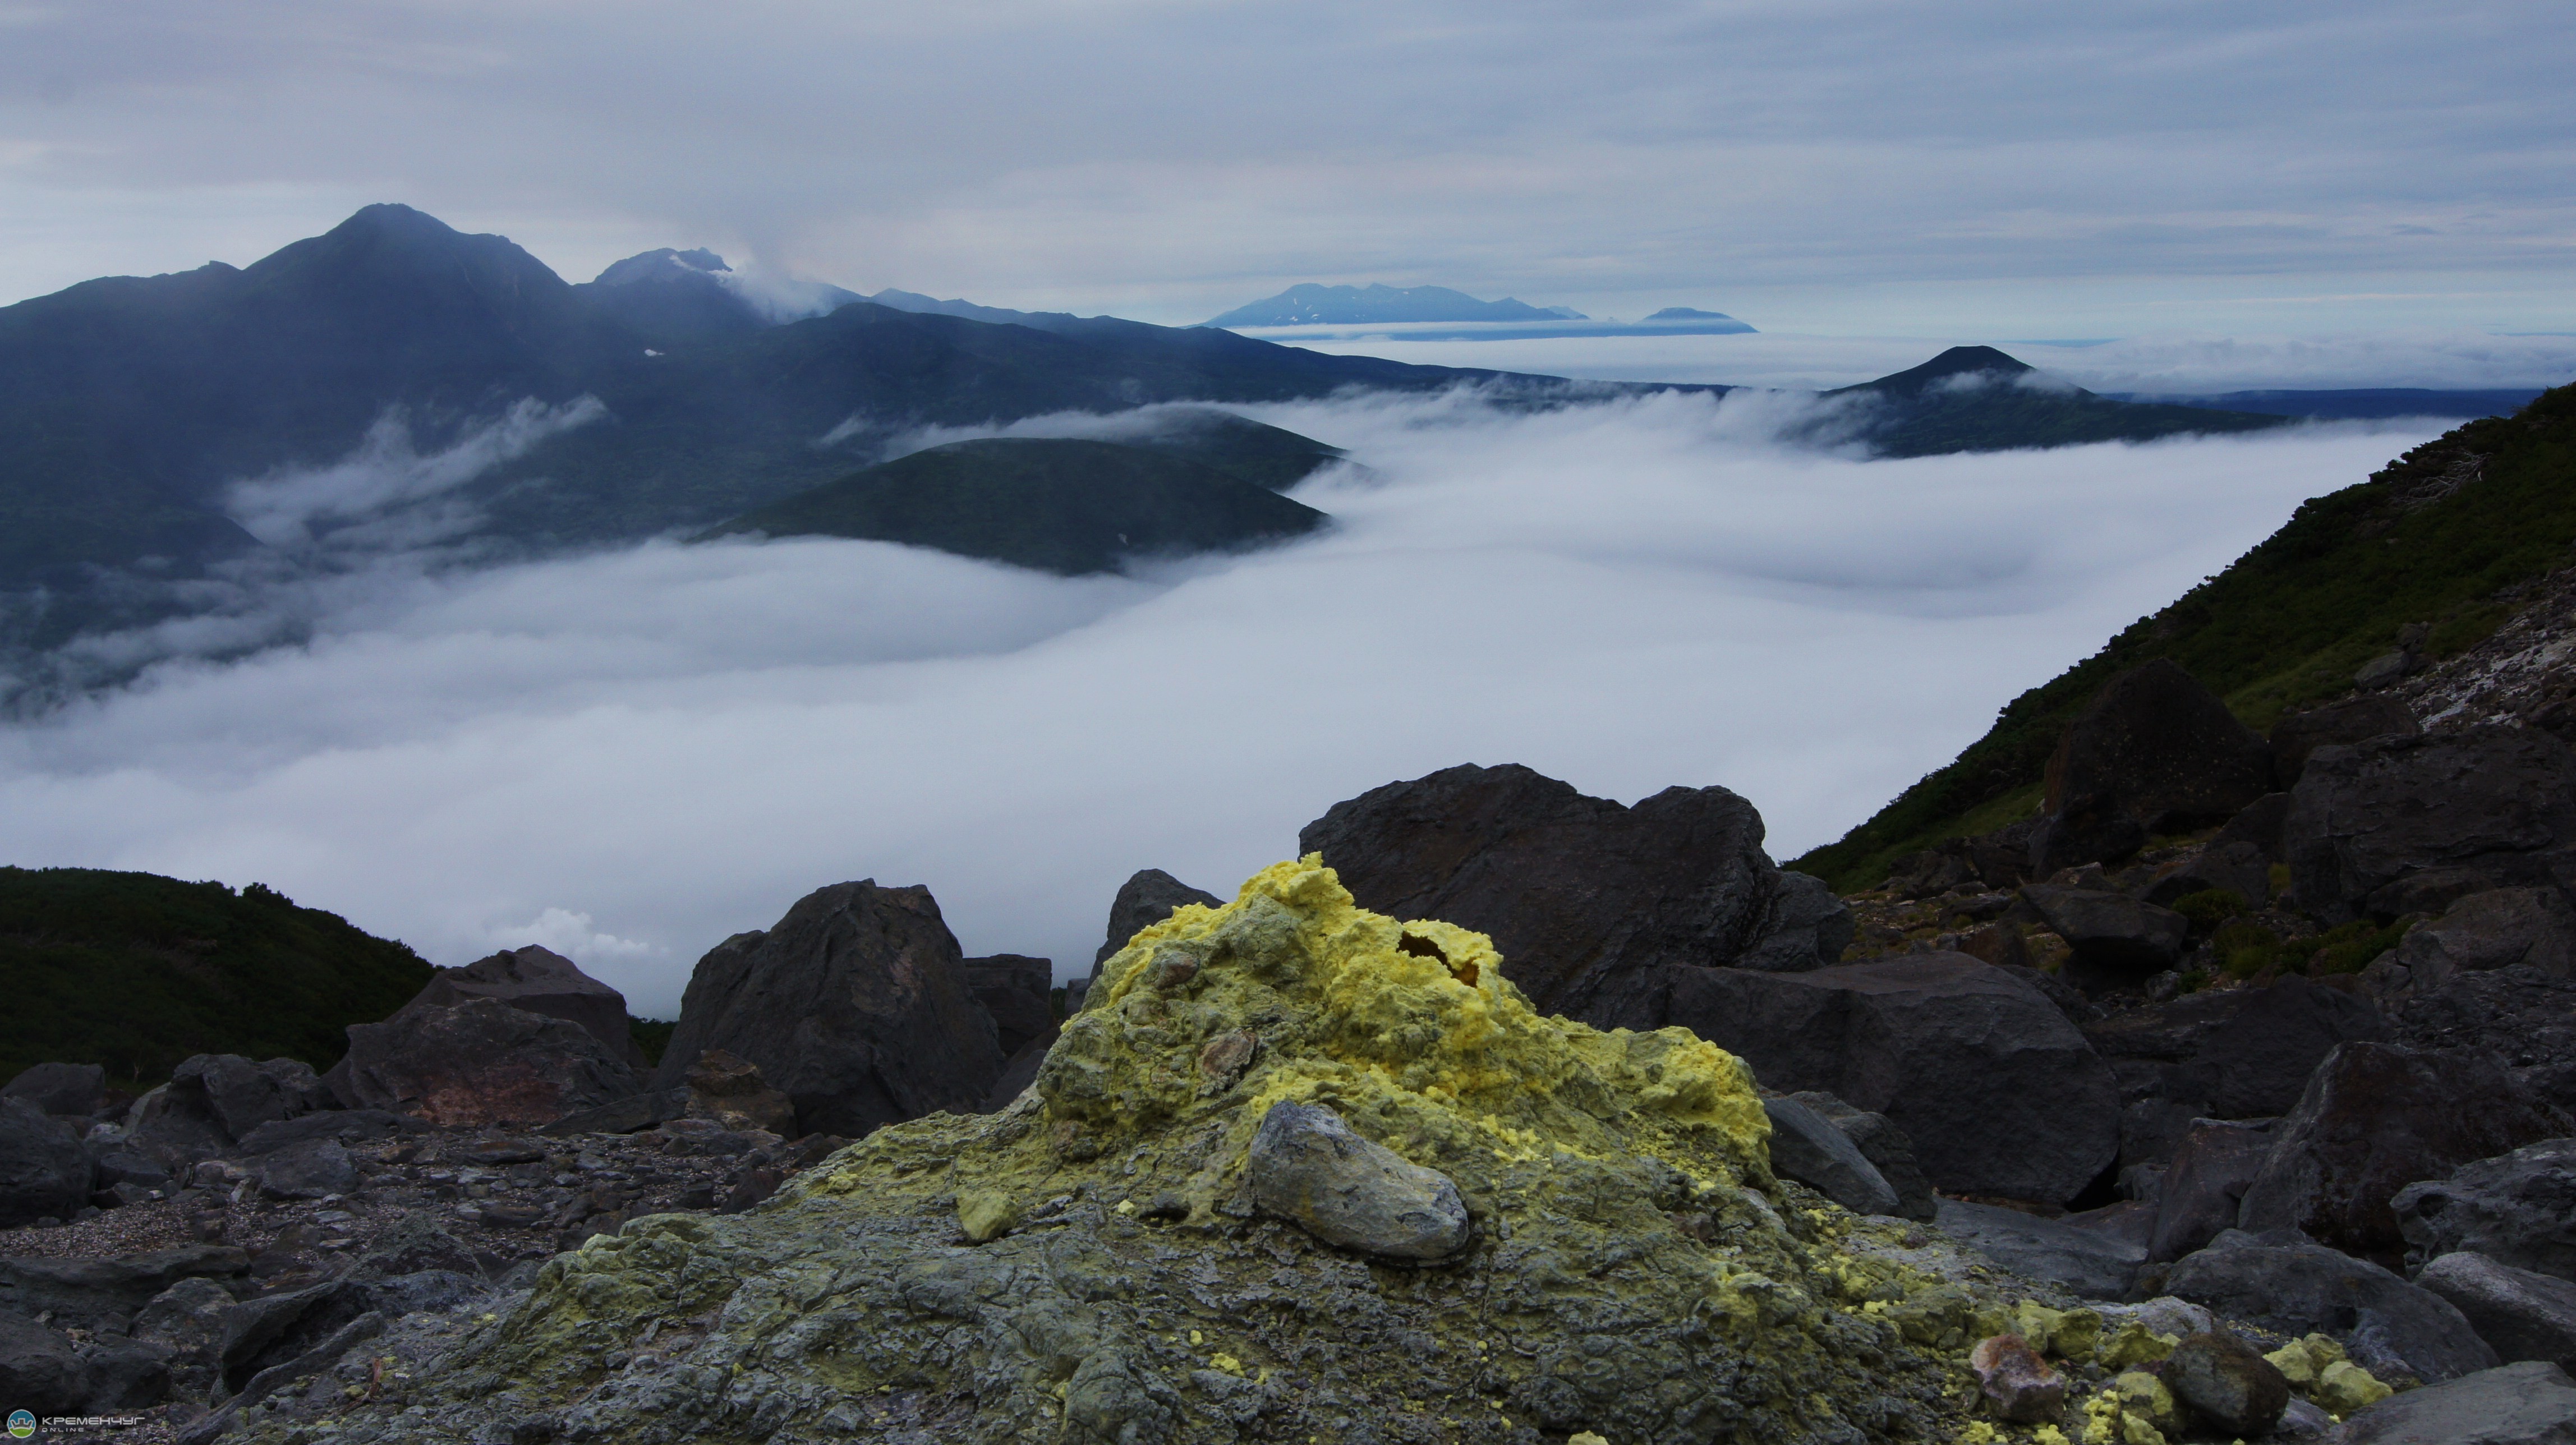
(1993, 170)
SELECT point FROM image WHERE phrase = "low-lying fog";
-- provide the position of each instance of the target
(628, 756)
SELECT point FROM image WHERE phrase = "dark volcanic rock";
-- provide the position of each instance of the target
(1998, 1092)
(39, 1369)
(538, 981)
(349, 1126)
(66, 1089)
(2259, 823)
(2154, 752)
(2093, 1264)
(2517, 1208)
(2376, 1118)
(1013, 989)
(2490, 805)
(1807, 1147)
(44, 1171)
(2296, 1286)
(1147, 897)
(1586, 900)
(1884, 1145)
(2239, 868)
(2117, 940)
(2494, 929)
(731, 1092)
(103, 1294)
(213, 1100)
(2205, 1187)
(307, 1169)
(2526, 1404)
(855, 1005)
(2238, 1053)
(481, 1062)
(2227, 1382)
(2296, 737)
(2525, 1316)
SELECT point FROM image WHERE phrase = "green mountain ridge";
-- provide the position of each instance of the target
(135, 972)
(1057, 504)
(2442, 536)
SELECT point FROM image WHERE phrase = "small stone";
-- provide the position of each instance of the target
(985, 1214)
(2228, 1382)
(2020, 1385)
(1307, 1166)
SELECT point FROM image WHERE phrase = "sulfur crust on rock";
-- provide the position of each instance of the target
(1085, 1267)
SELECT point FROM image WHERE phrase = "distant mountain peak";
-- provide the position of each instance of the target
(664, 265)
(1311, 303)
(1688, 313)
(1956, 362)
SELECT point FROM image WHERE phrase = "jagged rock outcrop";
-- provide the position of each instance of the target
(61, 1089)
(1998, 1092)
(2518, 1208)
(479, 1062)
(44, 1171)
(2154, 752)
(856, 1005)
(1590, 902)
(2355, 720)
(214, 1100)
(538, 981)
(1013, 988)
(2238, 1053)
(1147, 897)
(2374, 1119)
(2288, 1283)
(1629, 1269)
(2405, 824)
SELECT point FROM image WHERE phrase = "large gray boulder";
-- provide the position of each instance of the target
(1807, 1147)
(44, 1171)
(101, 1295)
(1884, 1145)
(2525, 1316)
(1305, 1165)
(538, 981)
(480, 1062)
(2287, 1283)
(2495, 929)
(2244, 869)
(2204, 1190)
(2376, 1118)
(2115, 940)
(1590, 902)
(2526, 1404)
(2495, 805)
(1147, 897)
(2232, 1053)
(2085, 1262)
(1998, 1092)
(2296, 737)
(855, 1005)
(60, 1089)
(214, 1100)
(2518, 1208)
(1014, 989)
(2154, 752)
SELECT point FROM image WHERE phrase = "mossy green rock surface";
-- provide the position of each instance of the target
(1634, 1268)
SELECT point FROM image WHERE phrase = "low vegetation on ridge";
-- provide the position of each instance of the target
(2443, 536)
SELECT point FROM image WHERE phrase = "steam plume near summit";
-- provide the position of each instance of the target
(631, 755)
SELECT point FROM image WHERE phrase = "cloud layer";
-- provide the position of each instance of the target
(630, 756)
(1864, 166)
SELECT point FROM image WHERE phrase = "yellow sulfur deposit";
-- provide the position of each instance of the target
(2344, 1387)
(2133, 1344)
(1092, 1264)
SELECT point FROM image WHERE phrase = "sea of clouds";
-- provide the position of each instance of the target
(629, 755)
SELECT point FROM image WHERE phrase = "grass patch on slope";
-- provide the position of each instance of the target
(135, 972)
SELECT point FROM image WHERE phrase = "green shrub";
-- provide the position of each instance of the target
(2245, 948)
(2210, 907)
(2350, 947)
(651, 1035)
